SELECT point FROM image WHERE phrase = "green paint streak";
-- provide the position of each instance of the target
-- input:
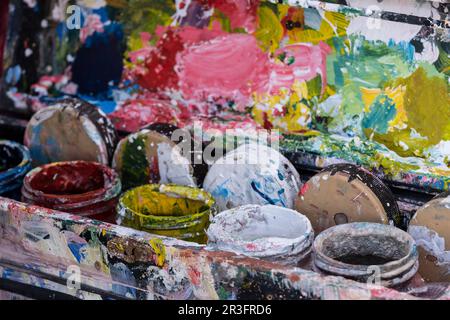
(135, 167)
(145, 16)
(367, 153)
(442, 64)
(427, 105)
(358, 63)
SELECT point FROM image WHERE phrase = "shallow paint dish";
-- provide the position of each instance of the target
(83, 188)
(169, 210)
(14, 164)
(366, 252)
(267, 232)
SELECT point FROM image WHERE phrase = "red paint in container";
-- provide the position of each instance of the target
(84, 188)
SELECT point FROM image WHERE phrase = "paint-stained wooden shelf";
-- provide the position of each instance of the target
(48, 254)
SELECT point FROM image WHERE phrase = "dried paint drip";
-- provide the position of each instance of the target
(151, 156)
(252, 174)
(169, 210)
(430, 228)
(367, 252)
(343, 193)
(14, 164)
(267, 232)
(68, 130)
(87, 189)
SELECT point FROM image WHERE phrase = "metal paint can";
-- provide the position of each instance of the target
(366, 252)
(14, 164)
(169, 210)
(343, 193)
(87, 189)
(68, 130)
(267, 232)
(153, 156)
(430, 228)
(252, 174)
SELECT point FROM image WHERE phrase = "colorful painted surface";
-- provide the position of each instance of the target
(43, 248)
(369, 74)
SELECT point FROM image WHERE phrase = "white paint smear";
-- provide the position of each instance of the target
(173, 167)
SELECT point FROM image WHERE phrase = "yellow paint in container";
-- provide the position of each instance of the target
(168, 210)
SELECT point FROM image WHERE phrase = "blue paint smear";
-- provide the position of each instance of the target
(280, 175)
(256, 186)
(382, 111)
(75, 248)
(36, 147)
(121, 273)
(405, 48)
(221, 191)
(106, 105)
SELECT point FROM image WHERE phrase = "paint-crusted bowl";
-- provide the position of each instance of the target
(267, 232)
(366, 252)
(170, 210)
(14, 164)
(84, 188)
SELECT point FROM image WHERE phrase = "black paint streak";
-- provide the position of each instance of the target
(33, 292)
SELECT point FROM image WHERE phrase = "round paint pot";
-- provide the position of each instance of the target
(252, 174)
(14, 164)
(430, 228)
(343, 193)
(151, 156)
(169, 210)
(267, 232)
(70, 129)
(88, 189)
(366, 252)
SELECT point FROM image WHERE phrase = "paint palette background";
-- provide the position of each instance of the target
(342, 86)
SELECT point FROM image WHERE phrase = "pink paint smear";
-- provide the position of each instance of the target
(209, 66)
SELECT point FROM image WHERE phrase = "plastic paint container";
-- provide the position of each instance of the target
(343, 193)
(168, 210)
(252, 174)
(430, 228)
(366, 252)
(14, 164)
(151, 156)
(69, 130)
(88, 189)
(267, 232)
